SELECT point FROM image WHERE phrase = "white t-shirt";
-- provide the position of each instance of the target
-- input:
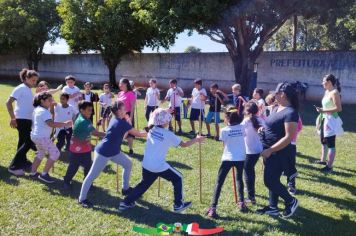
(234, 143)
(62, 114)
(72, 101)
(174, 97)
(252, 139)
(159, 140)
(196, 102)
(262, 107)
(40, 129)
(24, 102)
(151, 95)
(105, 99)
(87, 97)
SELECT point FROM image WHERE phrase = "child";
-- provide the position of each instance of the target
(198, 99)
(253, 146)
(271, 103)
(89, 96)
(291, 170)
(216, 98)
(154, 165)
(110, 149)
(74, 92)
(80, 146)
(174, 96)
(63, 112)
(105, 100)
(237, 99)
(43, 86)
(233, 156)
(152, 98)
(258, 96)
(40, 135)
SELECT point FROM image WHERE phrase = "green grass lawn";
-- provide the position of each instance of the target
(327, 202)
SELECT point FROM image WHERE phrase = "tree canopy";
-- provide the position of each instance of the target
(25, 26)
(192, 49)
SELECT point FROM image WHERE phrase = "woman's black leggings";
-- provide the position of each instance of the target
(249, 173)
(274, 166)
(223, 171)
(23, 146)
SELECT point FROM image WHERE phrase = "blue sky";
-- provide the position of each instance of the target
(182, 42)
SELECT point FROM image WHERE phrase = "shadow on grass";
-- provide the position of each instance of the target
(8, 178)
(179, 165)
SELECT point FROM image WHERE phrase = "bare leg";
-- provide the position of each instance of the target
(208, 128)
(217, 130)
(192, 125)
(130, 142)
(331, 154)
(35, 165)
(48, 165)
(324, 151)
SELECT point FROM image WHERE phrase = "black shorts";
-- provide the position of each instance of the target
(328, 141)
(105, 112)
(194, 114)
(177, 113)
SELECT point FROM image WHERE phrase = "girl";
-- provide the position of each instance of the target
(109, 149)
(258, 96)
(21, 119)
(152, 98)
(43, 86)
(271, 103)
(329, 122)
(40, 135)
(233, 156)
(128, 97)
(278, 132)
(105, 100)
(154, 164)
(253, 146)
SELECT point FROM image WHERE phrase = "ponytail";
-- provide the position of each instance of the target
(251, 109)
(233, 116)
(26, 74)
(338, 85)
(40, 97)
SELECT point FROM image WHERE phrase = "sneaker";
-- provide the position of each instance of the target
(124, 206)
(127, 191)
(242, 206)
(182, 207)
(217, 138)
(290, 209)
(85, 203)
(251, 201)
(327, 169)
(208, 135)
(180, 132)
(46, 178)
(320, 162)
(131, 152)
(17, 172)
(34, 175)
(212, 212)
(267, 210)
(292, 190)
(192, 132)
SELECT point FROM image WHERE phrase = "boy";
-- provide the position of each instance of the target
(63, 112)
(80, 146)
(89, 96)
(105, 100)
(198, 99)
(74, 92)
(174, 96)
(237, 99)
(216, 98)
(152, 98)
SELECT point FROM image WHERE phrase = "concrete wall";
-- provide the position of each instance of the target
(273, 67)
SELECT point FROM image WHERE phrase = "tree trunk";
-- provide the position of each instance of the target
(243, 69)
(112, 74)
(295, 29)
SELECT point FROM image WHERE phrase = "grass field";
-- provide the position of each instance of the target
(327, 201)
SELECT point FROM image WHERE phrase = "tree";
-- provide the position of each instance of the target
(25, 26)
(107, 27)
(243, 26)
(192, 49)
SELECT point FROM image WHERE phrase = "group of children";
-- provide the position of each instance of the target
(73, 124)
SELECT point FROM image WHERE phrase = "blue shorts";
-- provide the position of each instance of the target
(194, 114)
(211, 115)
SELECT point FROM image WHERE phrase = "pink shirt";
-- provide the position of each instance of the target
(299, 128)
(127, 98)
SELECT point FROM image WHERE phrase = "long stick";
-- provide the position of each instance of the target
(216, 113)
(174, 107)
(96, 120)
(117, 178)
(234, 183)
(200, 170)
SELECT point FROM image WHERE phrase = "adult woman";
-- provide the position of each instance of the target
(280, 128)
(128, 97)
(329, 122)
(21, 118)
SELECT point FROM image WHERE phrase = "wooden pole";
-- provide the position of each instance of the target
(200, 167)
(174, 113)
